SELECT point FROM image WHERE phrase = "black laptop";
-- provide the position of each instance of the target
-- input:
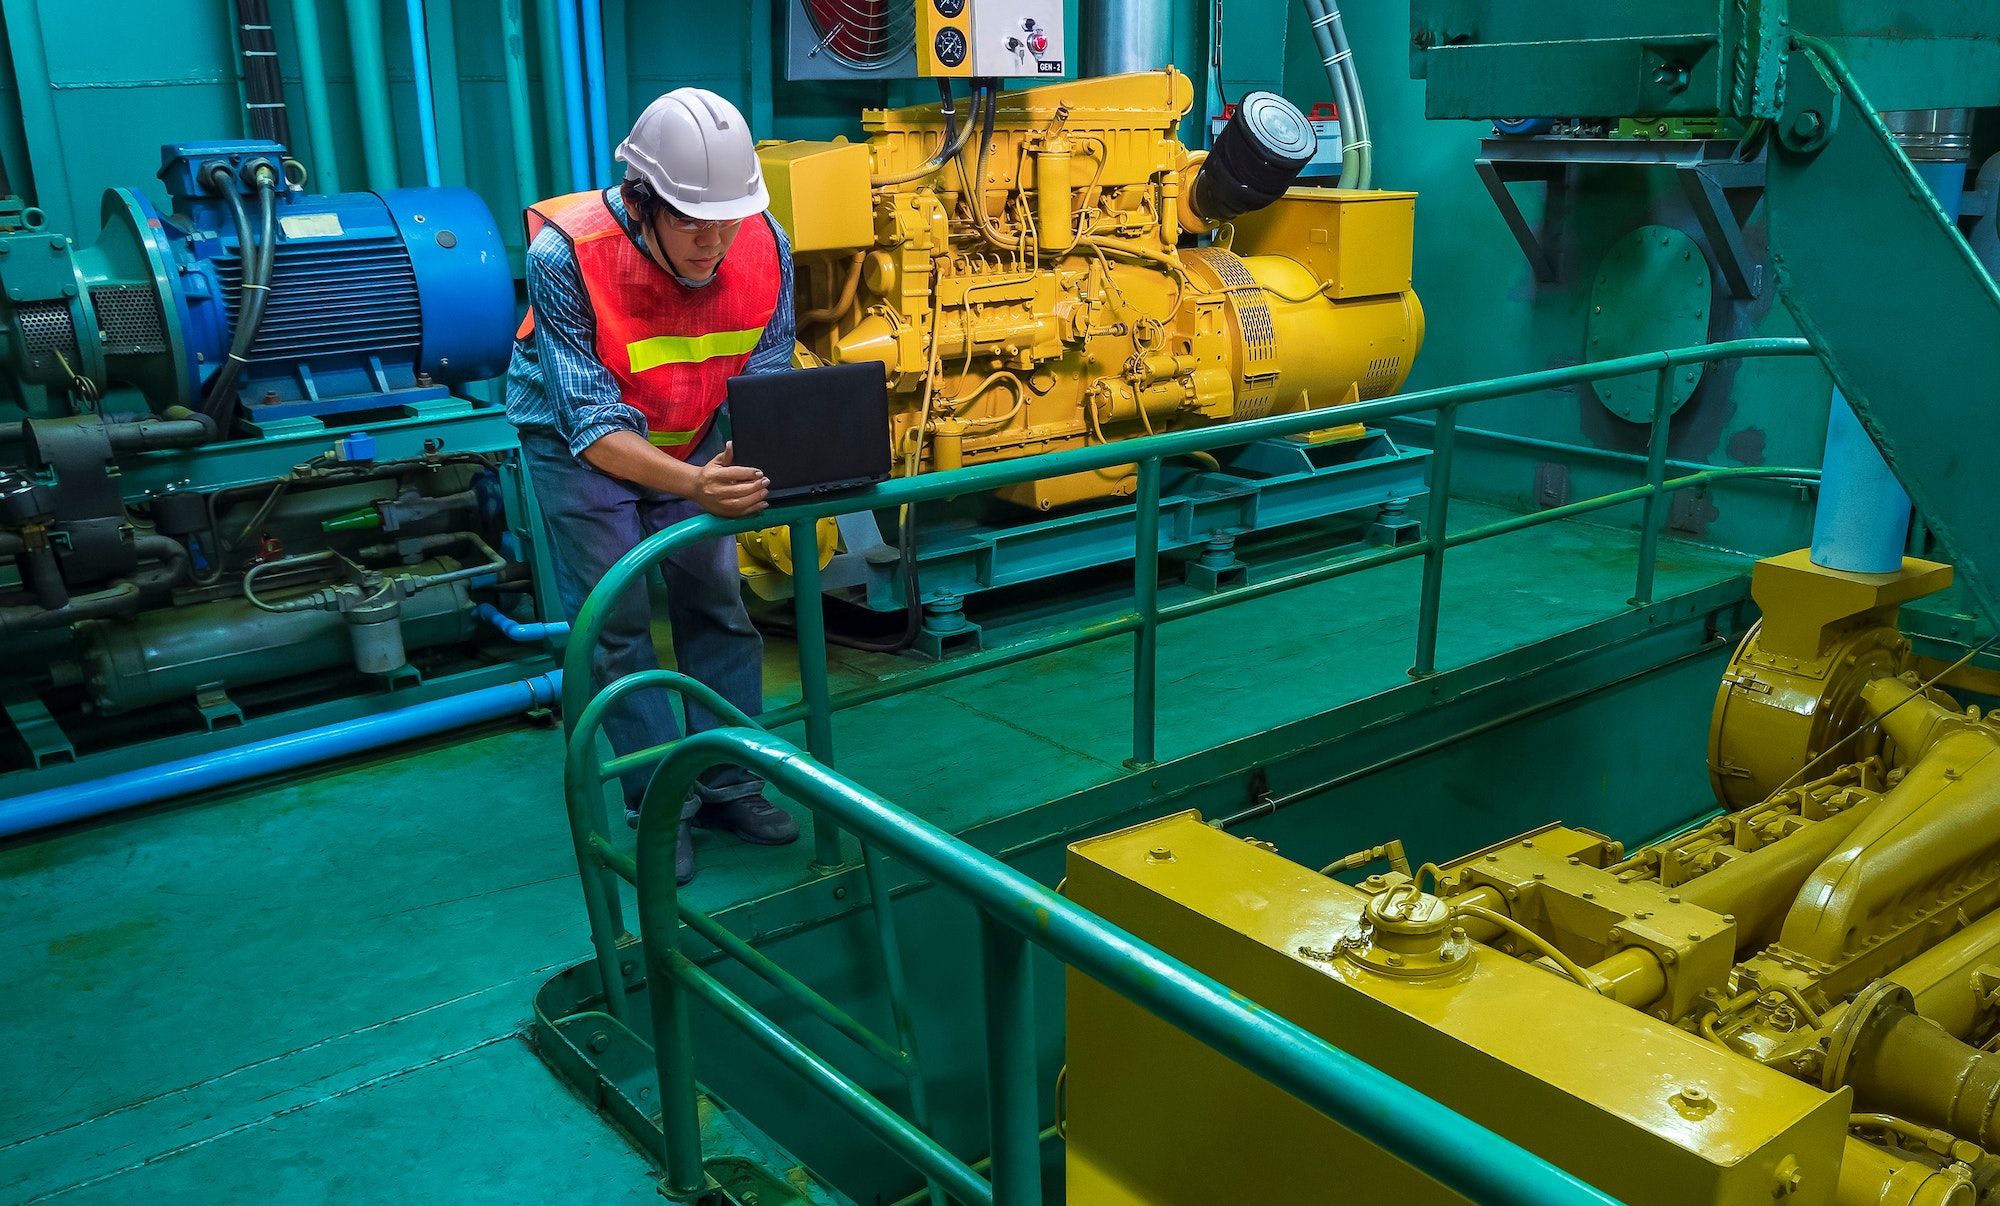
(813, 431)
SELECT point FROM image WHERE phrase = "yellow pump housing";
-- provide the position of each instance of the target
(1031, 295)
(1798, 1001)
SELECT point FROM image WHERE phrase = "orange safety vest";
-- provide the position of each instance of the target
(673, 349)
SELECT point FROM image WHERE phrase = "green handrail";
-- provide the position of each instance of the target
(584, 775)
(1460, 1154)
(991, 475)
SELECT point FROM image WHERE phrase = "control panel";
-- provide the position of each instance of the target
(990, 38)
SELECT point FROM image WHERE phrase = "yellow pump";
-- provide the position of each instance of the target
(1030, 293)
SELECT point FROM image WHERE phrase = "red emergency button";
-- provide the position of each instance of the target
(1038, 42)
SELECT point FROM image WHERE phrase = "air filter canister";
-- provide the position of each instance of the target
(1258, 155)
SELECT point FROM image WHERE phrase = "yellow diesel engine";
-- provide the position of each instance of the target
(1798, 1001)
(1021, 279)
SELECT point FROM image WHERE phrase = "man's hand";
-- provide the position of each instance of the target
(723, 487)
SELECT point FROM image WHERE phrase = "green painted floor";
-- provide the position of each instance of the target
(316, 991)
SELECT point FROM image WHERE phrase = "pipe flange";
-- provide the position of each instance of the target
(1879, 1004)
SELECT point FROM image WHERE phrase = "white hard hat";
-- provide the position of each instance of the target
(695, 150)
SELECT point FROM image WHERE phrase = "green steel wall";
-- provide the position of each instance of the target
(104, 85)
(1488, 316)
(108, 83)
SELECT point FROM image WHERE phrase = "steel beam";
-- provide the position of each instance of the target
(1901, 311)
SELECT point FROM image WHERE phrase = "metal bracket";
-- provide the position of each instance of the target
(1722, 191)
(1538, 246)
(1709, 188)
(37, 727)
(217, 710)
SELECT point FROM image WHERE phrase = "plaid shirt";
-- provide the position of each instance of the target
(555, 379)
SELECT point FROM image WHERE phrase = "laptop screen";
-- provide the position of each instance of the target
(815, 429)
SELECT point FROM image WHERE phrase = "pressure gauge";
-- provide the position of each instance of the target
(950, 44)
(949, 8)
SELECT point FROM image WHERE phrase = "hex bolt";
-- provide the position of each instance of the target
(1808, 125)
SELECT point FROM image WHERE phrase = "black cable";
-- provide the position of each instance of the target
(258, 261)
(948, 105)
(263, 85)
(948, 150)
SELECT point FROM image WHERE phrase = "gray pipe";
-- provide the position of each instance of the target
(1364, 149)
(170, 553)
(120, 599)
(1325, 19)
(1125, 35)
(168, 654)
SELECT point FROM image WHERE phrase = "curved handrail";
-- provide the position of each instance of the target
(1460, 1154)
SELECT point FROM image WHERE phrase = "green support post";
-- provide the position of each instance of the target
(673, 1051)
(371, 93)
(1146, 602)
(312, 83)
(882, 905)
(1443, 438)
(1013, 1103)
(809, 617)
(1656, 476)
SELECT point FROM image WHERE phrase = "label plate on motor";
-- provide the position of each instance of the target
(311, 226)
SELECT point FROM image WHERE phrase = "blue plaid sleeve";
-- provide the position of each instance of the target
(581, 393)
(773, 353)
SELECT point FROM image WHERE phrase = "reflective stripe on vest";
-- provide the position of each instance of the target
(671, 348)
(690, 349)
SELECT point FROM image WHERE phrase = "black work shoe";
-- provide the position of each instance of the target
(684, 856)
(751, 818)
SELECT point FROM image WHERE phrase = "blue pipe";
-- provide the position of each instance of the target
(573, 105)
(205, 772)
(420, 67)
(514, 630)
(593, 72)
(1863, 522)
(1863, 518)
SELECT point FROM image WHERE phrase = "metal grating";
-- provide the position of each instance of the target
(46, 327)
(1381, 377)
(130, 320)
(1257, 393)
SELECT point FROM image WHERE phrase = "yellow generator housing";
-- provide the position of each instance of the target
(1798, 1001)
(1031, 295)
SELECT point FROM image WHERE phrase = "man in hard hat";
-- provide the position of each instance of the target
(643, 300)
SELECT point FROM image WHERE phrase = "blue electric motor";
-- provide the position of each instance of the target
(374, 300)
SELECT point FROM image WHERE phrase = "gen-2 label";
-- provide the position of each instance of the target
(1048, 67)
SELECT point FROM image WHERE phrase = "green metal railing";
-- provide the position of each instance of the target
(1015, 912)
(1287, 1056)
